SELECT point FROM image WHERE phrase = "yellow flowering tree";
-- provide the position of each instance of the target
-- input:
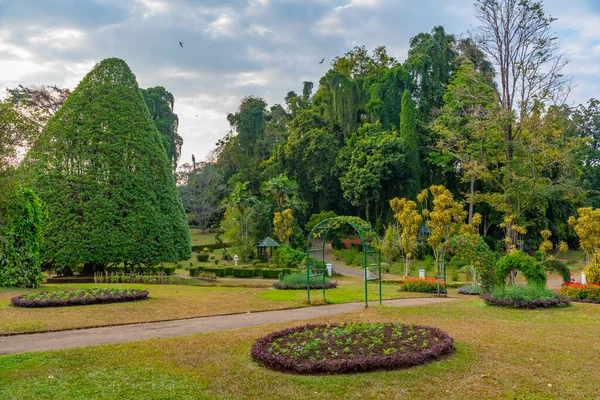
(410, 221)
(587, 228)
(282, 224)
(445, 220)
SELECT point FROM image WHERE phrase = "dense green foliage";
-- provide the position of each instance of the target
(519, 261)
(22, 217)
(160, 103)
(101, 168)
(557, 266)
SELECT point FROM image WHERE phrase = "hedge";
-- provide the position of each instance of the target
(228, 271)
(196, 270)
(211, 246)
(220, 272)
(157, 269)
(257, 271)
(271, 273)
(169, 270)
(243, 272)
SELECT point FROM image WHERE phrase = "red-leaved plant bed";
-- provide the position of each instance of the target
(589, 293)
(78, 297)
(350, 347)
(422, 285)
(525, 303)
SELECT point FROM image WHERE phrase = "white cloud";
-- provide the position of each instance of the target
(59, 39)
(224, 25)
(153, 7)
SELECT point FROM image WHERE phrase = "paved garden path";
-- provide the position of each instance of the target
(134, 332)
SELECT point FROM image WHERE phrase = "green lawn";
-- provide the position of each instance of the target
(501, 354)
(167, 302)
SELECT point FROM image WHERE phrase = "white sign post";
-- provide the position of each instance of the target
(235, 259)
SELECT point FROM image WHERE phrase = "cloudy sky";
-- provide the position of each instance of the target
(233, 48)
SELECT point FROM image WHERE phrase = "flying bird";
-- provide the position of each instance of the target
(320, 62)
(181, 44)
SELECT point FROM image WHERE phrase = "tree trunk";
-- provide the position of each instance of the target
(471, 199)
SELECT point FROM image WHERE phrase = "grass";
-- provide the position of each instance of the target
(501, 354)
(167, 302)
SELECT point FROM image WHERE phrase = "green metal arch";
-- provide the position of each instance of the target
(326, 226)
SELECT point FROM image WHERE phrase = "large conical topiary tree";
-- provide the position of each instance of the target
(100, 167)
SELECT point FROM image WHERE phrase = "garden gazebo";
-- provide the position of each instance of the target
(265, 247)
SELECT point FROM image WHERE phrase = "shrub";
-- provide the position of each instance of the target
(205, 250)
(169, 270)
(261, 265)
(297, 281)
(255, 261)
(538, 255)
(530, 296)
(336, 243)
(271, 273)
(78, 297)
(557, 266)
(202, 257)
(421, 251)
(352, 256)
(427, 285)
(385, 267)
(243, 272)
(454, 275)
(193, 271)
(470, 289)
(592, 273)
(519, 261)
(228, 271)
(286, 257)
(350, 347)
(257, 271)
(428, 262)
(589, 293)
(210, 246)
(220, 272)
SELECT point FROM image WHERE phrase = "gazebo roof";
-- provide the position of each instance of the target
(267, 242)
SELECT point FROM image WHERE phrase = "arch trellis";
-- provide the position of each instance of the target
(370, 245)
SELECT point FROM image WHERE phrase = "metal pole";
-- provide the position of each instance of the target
(380, 273)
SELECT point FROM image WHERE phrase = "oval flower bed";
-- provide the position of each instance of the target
(78, 297)
(350, 347)
(530, 296)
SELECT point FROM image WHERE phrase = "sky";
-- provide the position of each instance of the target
(235, 48)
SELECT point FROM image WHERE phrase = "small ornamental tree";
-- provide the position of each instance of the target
(587, 227)
(282, 224)
(445, 220)
(410, 221)
(101, 168)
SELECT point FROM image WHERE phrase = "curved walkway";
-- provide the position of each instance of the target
(129, 333)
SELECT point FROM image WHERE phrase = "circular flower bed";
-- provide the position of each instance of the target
(350, 347)
(78, 297)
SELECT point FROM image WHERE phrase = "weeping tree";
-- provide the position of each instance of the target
(102, 170)
(160, 103)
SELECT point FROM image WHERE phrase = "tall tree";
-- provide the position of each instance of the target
(469, 128)
(517, 37)
(100, 167)
(411, 142)
(201, 187)
(161, 103)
